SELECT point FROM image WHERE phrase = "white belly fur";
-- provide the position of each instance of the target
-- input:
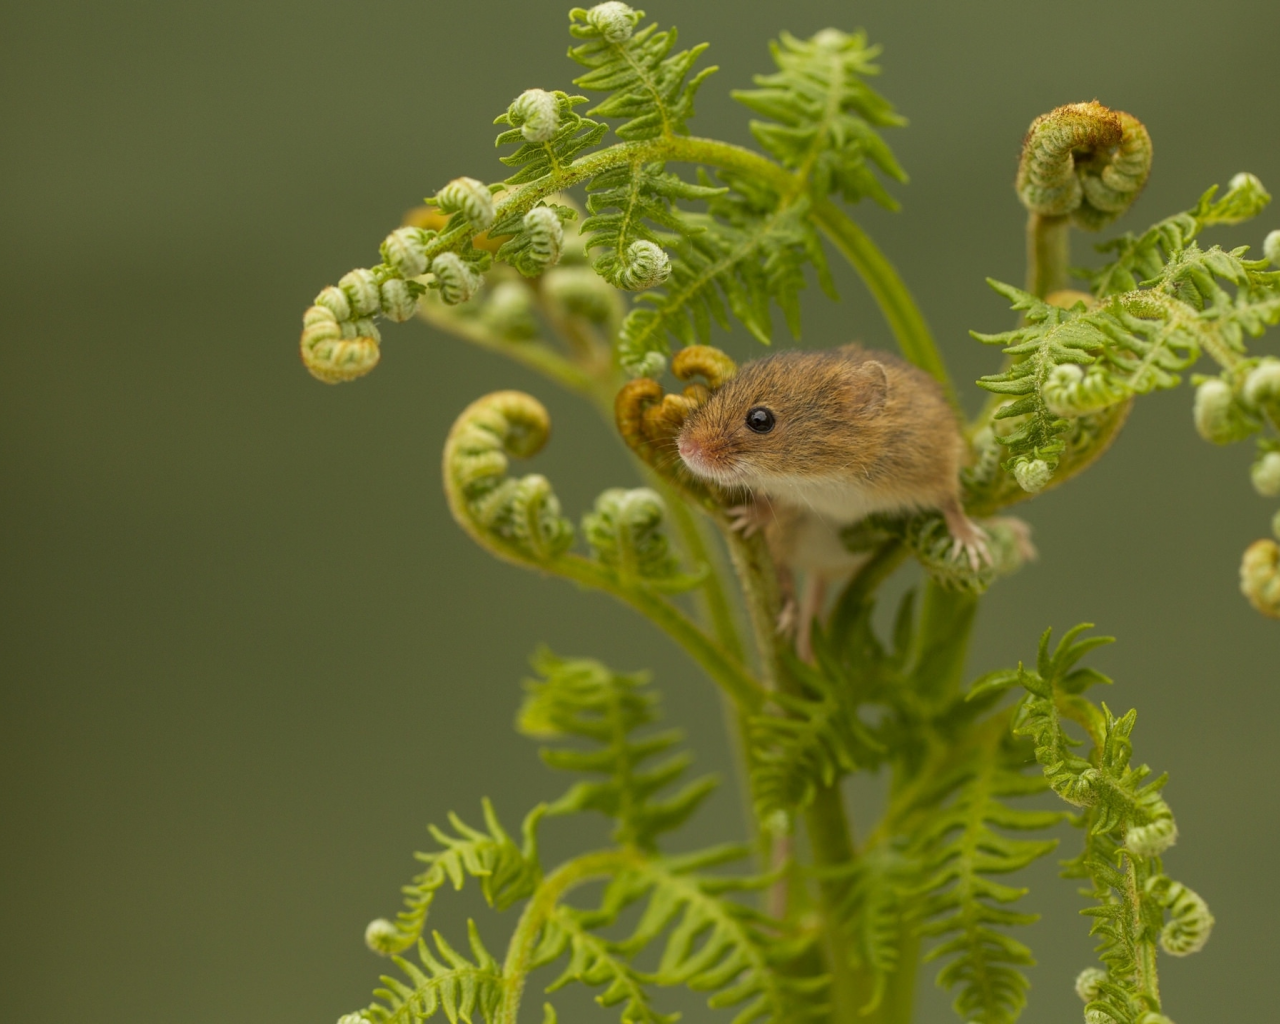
(839, 502)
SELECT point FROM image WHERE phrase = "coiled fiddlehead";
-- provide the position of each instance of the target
(1190, 921)
(1083, 161)
(625, 531)
(1260, 576)
(648, 418)
(519, 520)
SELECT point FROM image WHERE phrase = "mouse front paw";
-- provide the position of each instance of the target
(747, 519)
(787, 618)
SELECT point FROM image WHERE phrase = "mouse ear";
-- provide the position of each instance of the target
(868, 388)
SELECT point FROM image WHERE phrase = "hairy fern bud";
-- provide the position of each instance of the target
(644, 265)
(1262, 386)
(582, 292)
(517, 519)
(455, 278)
(1085, 161)
(509, 311)
(1219, 416)
(1246, 198)
(335, 352)
(1154, 838)
(1032, 475)
(1271, 248)
(613, 21)
(335, 301)
(1094, 1015)
(383, 937)
(536, 113)
(405, 251)
(361, 289)
(399, 299)
(625, 531)
(1190, 921)
(1260, 576)
(354, 1018)
(471, 198)
(1072, 391)
(546, 235)
(1087, 982)
(1265, 475)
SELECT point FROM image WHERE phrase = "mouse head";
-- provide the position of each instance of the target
(796, 414)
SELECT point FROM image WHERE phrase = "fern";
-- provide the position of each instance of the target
(646, 82)
(583, 699)
(460, 987)
(823, 116)
(715, 944)
(594, 961)
(1127, 823)
(550, 146)
(1161, 303)
(506, 873)
(820, 927)
(962, 849)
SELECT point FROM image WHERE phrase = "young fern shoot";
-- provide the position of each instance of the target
(606, 293)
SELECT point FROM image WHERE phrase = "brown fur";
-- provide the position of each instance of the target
(847, 417)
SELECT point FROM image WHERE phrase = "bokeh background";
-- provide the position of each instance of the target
(246, 655)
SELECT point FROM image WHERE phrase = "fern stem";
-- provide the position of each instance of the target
(535, 355)
(826, 822)
(1048, 253)
(541, 905)
(1145, 960)
(831, 844)
(723, 668)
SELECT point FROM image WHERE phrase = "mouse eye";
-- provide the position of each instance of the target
(760, 420)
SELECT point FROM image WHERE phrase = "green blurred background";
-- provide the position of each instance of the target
(247, 656)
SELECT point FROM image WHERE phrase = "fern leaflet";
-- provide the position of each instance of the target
(583, 699)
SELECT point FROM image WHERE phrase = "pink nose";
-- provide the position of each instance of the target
(688, 447)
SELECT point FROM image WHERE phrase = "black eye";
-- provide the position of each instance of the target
(760, 420)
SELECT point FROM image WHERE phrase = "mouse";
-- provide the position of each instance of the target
(818, 440)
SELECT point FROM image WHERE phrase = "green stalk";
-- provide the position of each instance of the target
(1048, 254)
(534, 354)
(826, 823)
(524, 940)
(724, 669)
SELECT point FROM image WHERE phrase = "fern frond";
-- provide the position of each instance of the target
(962, 850)
(463, 988)
(1127, 827)
(550, 135)
(506, 873)
(1162, 303)
(646, 82)
(823, 116)
(807, 741)
(625, 531)
(594, 961)
(714, 943)
(878, 909)
(583, 699)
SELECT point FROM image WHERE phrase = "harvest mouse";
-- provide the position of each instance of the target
(822, 439)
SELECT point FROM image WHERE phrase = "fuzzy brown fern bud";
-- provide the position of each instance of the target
(1085, 161)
